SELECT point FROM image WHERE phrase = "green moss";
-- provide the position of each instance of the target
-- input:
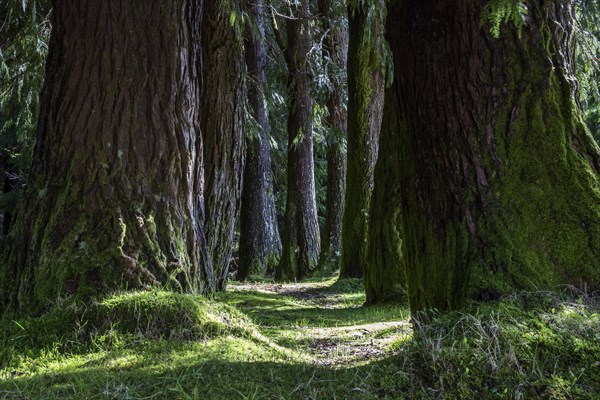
(169, 315)
(547, 200)
(289, 266)
(366, 80)
(81, 255)
(534, 222)
(150, 314)
(385, 263)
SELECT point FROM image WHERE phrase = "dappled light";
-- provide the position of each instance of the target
(535, 344)
(300, 199)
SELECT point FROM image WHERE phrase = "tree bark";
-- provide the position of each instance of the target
(223, 128)
(260, 244)
(366, 84)
(385, 267)
(335, 49)
(115, 195)
(301, 241)
(498, 174)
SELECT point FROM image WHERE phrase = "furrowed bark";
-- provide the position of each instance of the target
(115, 195)
(260, 245)
(223, 128)
(301, 241)
(335, 47)
(498, 173)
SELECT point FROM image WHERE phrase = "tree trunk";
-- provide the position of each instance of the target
(335, 48)
(222, 128)
(260, 245)
(385, 269)
(301, 242)
(366, 84)
(115, 196)
(498, 174)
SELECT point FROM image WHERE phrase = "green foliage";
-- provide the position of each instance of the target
(497, 12)
(587, 49)
(319, 63)
(276, 94)
(587, 34)
(24, 33)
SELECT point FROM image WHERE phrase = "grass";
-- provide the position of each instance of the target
(311, 340)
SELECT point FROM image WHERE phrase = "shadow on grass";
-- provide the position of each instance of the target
(272, 309)
(211, 379)
(507, 349)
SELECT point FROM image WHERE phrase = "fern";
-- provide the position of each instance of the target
(497, 12)
(587, 51)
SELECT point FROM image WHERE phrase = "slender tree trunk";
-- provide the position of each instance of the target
(385, 268)
(115, 195)
(260, 245)
(335, 46)
(366, 84)
(301, 242)
(9, 196)
(498, 174)
(222, 128)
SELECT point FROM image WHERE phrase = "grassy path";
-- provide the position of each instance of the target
(310, 340)
(323, 320)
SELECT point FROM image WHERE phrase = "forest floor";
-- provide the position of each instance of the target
(324, 322)
(312, 340)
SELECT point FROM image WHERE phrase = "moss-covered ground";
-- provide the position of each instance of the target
(312, 340)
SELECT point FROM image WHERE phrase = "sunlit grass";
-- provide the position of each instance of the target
(302, 341)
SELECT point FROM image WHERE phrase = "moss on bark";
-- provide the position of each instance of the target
(385, 267)
(366, 82)
(499, 186)
(114, 199)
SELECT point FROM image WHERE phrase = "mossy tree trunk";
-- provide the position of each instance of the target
(115, 193)
(385, 268)
(260, 244)
(498, 174)
(335, 52)
(301, 241)
(222, 128)
(366, 84)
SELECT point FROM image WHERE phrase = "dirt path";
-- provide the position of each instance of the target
(342, 344)
(356, 344)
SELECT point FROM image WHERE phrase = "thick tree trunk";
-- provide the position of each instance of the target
(335, 46)
(498, 174)
(222, 128)
(366, 84)
(301, 241)
(260, 245)
(115, 196)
